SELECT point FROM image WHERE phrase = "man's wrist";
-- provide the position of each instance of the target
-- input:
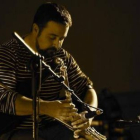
(43, 106)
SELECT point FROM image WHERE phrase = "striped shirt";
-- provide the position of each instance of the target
(16, 75)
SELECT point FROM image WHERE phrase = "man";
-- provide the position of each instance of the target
(50, 27)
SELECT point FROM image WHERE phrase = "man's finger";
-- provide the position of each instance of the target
(65, 118)
(66, 109)
(67, 104)
(76, 133)
(79, 121)
(83, 125)
(68, 114)
(66, 101)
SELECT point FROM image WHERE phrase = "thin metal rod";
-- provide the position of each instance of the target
(34, 106)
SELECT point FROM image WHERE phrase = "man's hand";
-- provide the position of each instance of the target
(80, 123)
(60, 109)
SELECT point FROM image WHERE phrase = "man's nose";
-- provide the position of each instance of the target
(57, 44)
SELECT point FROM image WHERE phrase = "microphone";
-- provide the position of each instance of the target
(91, 114)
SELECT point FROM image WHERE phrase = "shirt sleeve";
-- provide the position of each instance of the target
(78, 81)
(7, 80)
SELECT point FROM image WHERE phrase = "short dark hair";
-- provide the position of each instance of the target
(50, 11)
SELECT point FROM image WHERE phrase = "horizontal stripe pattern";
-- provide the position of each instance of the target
(14, 61)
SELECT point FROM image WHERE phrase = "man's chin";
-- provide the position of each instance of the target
(48, 53)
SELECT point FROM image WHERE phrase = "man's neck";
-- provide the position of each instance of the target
(31, 41)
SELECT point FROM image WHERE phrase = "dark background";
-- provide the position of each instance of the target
(104, 39)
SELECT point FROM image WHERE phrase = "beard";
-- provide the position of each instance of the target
(47, 53)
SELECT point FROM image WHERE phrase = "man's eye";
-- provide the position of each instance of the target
(52, 37)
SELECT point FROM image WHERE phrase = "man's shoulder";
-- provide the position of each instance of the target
(10, 44)
(9, 49)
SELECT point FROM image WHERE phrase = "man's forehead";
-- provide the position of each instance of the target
(50, 24)
(55, 28)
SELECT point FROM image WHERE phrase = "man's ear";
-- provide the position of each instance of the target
(35, 29)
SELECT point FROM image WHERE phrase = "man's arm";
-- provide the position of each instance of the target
(23, 105)
(55, 109)
(91, 97)
(14, 103)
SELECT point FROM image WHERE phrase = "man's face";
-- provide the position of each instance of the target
(51, 38)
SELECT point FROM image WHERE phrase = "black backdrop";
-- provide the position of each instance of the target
(104, 39)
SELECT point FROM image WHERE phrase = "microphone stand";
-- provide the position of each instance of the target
(35, 95)
(34, 105)
(57, 77)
